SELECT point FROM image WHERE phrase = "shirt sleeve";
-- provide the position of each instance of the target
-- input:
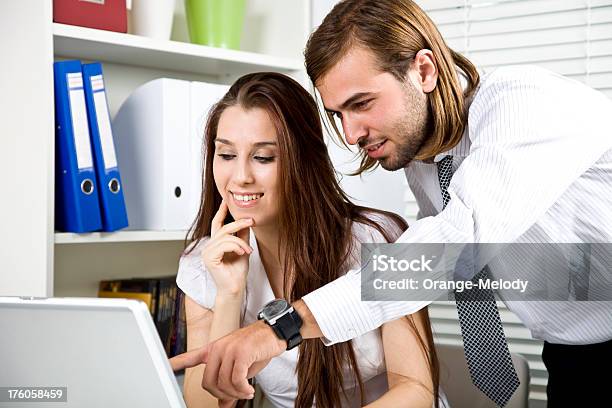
(193, 278)
(530, 140)
(341, 324)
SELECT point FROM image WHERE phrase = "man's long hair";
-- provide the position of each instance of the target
(315, 219)
(394, 31)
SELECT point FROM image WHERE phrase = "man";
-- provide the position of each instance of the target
(522, 155)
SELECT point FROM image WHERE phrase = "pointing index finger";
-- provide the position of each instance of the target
(189, 359)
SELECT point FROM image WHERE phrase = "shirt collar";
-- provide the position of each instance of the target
(462, 149)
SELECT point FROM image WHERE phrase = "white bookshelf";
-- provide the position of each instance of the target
(119, 236)
(127, 49)
(35, 260)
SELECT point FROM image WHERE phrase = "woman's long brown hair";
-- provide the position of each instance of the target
(315, 220)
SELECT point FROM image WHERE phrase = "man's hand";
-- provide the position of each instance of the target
(189, 359)
(233, 359)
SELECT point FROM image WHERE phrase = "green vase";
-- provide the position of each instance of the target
(216, 23)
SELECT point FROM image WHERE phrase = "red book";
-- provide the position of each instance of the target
(108, 15)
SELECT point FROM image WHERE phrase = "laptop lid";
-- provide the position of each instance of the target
(106, 352)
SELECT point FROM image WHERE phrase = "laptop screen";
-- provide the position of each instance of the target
(104, 352)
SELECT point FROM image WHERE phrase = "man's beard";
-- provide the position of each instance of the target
(409, 142)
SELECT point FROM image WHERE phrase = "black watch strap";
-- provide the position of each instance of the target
(287, 327)
(290, 325)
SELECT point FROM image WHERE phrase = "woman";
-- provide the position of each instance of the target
(267, 167)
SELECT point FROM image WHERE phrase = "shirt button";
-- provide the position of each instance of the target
(350, 333)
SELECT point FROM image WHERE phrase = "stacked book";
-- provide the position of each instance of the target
(165, 301)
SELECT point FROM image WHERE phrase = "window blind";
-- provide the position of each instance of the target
(570, 37)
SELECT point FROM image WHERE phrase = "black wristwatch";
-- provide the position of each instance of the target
(284, 320)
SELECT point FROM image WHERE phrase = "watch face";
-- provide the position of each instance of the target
(274, 308)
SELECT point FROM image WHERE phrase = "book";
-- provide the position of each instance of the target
(145, 297)
(165, 302)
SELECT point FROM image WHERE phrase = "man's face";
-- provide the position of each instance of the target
(385, 117)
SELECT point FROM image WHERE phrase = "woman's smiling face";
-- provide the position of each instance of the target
(245, 165)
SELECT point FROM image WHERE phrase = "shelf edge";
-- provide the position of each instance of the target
(63, 238)
(63, 32)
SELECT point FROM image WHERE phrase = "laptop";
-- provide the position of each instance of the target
(98, 352)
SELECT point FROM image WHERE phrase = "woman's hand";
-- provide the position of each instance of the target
(225, 255)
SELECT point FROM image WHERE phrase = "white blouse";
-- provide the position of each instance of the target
(278, 380)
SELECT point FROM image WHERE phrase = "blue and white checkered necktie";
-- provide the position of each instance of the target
(485, 347)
